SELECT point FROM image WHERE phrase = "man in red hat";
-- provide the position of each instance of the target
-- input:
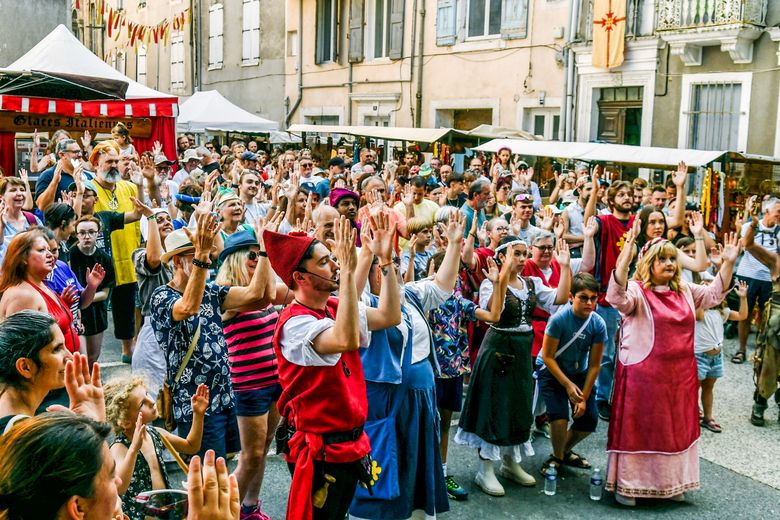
(316, 341)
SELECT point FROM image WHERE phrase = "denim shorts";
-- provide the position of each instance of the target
(254, 403)
(709, 366)
(558, 405)
(220, 433)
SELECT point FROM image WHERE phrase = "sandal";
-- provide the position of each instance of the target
(575, 461)
(551, 460)
(711, 425)
(738, 358)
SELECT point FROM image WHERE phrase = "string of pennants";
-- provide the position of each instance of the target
(119, 26)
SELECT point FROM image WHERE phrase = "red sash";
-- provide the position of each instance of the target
(540, 316)
(319, 400)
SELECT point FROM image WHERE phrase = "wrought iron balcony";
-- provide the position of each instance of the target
(689, 25)
(675, 15)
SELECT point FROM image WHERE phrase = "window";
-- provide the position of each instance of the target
(381, 26)
(322, 120)
(140, 65)
(250, 50)
(543, 122)
(120, 62)
(714, 116)
(376, 121)
(216, 30)
(177, 61)
(484, 17)
(327, 15)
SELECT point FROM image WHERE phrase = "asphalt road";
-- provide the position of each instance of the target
(740, 469)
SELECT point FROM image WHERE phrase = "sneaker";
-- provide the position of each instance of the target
(624, 500)
(454, 490)
(678, 498)
(543, 430)
(605, 410)
(255, 514)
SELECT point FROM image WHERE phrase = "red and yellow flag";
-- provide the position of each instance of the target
(609, 33)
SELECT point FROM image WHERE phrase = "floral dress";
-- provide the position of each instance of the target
(142, 474)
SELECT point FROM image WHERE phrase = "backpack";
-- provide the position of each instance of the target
(30, 218)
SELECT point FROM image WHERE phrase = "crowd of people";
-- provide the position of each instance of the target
(349, 307)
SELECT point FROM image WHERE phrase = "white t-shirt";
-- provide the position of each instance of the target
(709, 331)
(545, 297)
(749, 267)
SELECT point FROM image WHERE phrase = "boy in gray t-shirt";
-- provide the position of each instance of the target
(571, 353)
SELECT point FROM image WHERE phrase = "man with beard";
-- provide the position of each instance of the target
(189, 161)
(612, 229)
(574, 217)
(182, 144)
(346, 203)
(115, 194)
(478, 195)
(324, 405)
(46, 189)
(248, 186)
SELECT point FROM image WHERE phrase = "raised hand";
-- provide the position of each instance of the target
(629, 245)
(205, 205)
(86, 140)
(591, 227)
(271, 224)
(407, 197)
(681, 175)
(344, 248)
(206, 232)
(546, 217)
(482, 233)
(741, 289)
(165, 190)
(562, 255)
(492, 272)
(731, 248)
(3, 212)
(157, 148)
(139, 434)
(212, 494)
(696, 224)
(23, 175)
(147, 168)
(381, 242)
(456, 227)
(292, 188)
(750, 206)
(84, 390)
(412, 244)
(70, 295)
(200, 400)
(66, 198)
(36, 144)
(95, 275)
(57, 175)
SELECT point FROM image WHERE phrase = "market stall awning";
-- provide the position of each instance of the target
(500, 132)
(210, 110)
(60, 85)
(61, 52)
(416, 135)
(557, 149)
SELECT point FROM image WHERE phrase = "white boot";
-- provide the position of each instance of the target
(486, 479)
(512, 470)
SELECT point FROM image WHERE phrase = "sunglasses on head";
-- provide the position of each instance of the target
(524, 197)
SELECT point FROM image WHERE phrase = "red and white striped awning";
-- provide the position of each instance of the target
(163, 107)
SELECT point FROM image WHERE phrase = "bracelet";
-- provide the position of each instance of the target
(262, 253)
(152, 217)
(202, 265)
(699, 238)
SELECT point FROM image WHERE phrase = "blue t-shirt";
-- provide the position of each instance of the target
(45, 178)
(562, 326)
(466, 209)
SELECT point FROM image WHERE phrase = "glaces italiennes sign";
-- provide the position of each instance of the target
(23, 122)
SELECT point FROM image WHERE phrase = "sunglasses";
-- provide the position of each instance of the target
(524, 196)
(253, 255)
(163, 504)
(544, 248)
(586, 299)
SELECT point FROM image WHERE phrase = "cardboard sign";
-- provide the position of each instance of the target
(24, 122)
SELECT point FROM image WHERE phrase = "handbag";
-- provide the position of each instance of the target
(165, 397)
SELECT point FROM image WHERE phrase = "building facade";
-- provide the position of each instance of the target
(37, 17)
(426, 63)
(697, 74)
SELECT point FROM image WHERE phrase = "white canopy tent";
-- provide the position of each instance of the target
(389, 133)
(62, 52)
(209, 110)
(643, 156)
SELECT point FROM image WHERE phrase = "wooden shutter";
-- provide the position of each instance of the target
(396, 41)
(514, 19)
(215, 35)
(356, 22)
(446, 12)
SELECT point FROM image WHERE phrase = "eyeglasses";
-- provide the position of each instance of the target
(587, 299)
(306, 165)
(163, 503)
(88, 233)
(544, 248)
(162, 169)
(74, 151)
(253, 255)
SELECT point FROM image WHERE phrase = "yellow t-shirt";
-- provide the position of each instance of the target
(426, 210)
(123, 241)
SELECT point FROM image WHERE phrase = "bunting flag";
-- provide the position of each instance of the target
(119, 27)
(609, 33)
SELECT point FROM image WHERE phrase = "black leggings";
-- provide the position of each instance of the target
(340, 493)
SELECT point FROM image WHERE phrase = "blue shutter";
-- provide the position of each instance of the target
(514, 19)
(446, 16)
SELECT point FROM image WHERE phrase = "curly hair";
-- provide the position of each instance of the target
(117, 393)
(644, 266)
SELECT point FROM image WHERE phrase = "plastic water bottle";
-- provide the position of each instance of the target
(596, 484)
(550, 481)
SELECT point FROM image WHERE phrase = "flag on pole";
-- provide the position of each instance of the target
(609, 33)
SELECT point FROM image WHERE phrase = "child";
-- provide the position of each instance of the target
(708, 346)
(129, 409)
(571, 352)
(450, 337)
(83, 258)
(414, 261)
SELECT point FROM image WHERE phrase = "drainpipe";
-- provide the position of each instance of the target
(411, 59)
(297, 103)
(418, 109)
(349, 93)
(198, 50)
(567, 110)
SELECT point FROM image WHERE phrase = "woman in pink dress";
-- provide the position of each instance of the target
(652, 444)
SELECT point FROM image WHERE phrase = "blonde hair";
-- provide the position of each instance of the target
(233, 270)
(644, 266)
(101, 148)
(117, 393)
(416, 224)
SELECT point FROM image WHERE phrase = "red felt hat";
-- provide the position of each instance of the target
(285, 252)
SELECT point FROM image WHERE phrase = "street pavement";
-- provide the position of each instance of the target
(740, 471)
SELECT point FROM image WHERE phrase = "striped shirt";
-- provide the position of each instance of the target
(249, 337)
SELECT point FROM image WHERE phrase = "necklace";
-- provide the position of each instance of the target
(113, 204)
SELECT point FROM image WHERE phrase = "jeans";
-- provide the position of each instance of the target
(607, 372)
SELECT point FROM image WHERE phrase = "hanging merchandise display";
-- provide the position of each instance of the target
(705, 196)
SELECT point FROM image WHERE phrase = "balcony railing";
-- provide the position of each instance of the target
(676, 15)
